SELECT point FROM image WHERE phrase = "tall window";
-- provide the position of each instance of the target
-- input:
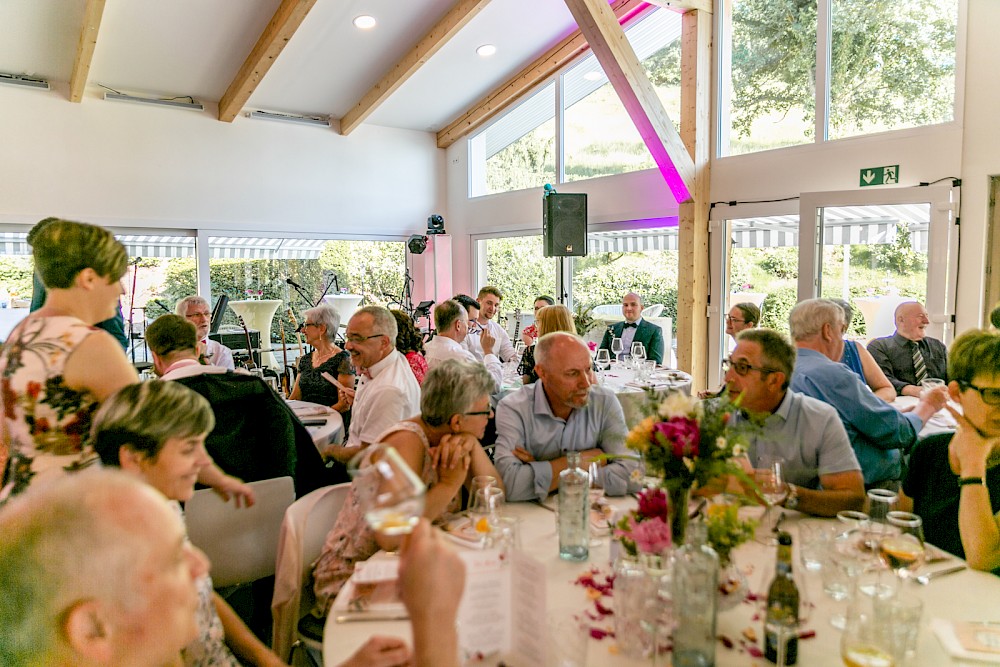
(516, 266)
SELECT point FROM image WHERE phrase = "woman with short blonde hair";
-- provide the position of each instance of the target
(547, 320)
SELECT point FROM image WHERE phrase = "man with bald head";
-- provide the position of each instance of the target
(564, 411)
(635, 329)
(909, 356)
(95, 570)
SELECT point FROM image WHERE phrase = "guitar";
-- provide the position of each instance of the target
(298, 335)
(517, 324)
(246, 332)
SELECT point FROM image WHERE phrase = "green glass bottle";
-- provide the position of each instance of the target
(782, 620)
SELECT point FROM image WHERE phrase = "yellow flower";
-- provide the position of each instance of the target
(638, 438)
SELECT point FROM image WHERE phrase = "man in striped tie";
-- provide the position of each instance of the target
(909, 356)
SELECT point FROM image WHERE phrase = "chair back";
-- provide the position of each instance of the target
(303, 532)
(652, 311)
(241, 542)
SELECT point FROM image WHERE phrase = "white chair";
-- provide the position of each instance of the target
(608, 309)
(241, 542)
(303, 531)
(652, 311)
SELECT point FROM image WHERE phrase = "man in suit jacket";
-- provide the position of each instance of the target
(635, 330)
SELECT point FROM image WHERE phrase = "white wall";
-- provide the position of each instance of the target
(123, 164)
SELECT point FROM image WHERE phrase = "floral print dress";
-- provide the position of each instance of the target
(45, 423)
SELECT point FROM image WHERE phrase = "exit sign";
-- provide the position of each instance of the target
(888, 175)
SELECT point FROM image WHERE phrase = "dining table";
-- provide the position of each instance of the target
(325, 425)
(966, 595)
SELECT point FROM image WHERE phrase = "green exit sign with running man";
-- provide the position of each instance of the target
(880, 176)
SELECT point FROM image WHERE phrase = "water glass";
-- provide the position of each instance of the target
(903, 613)
(867, 637)
(569, 636)
(505, 537)
(928, 385)
(815, 540)
(880, 503)
(486, 510)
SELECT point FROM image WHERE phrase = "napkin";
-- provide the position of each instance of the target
(462, 530)
(957, 637)
(374, 591)
(306, 409)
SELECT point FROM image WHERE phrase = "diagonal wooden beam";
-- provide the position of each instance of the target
(512, 89)
(456, 19)
(286, 20)
(684, 5)
(626, 74)
(692, 238)
(92, 15)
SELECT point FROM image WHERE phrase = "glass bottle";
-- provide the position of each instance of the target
(781, 623)
(574, 523)
(696, 581)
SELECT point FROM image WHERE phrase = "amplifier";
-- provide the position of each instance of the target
(237, 341)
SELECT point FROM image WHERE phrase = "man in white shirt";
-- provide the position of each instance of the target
(489, 303)
(451, 322)
(196, 310)
(387, 392)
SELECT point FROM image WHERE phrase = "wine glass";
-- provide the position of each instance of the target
(880, 503)
(770, 480)
(902, 545)
(617, 347)
(603, 358)
(486, 510)
(596, 493)
(391, 495)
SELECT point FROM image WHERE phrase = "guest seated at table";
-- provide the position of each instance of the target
(548, 319)
(451, 321)
(410, 343)
(822, 472)
(878, 432)
(910, 356)
(256, 435)
(742, 316)
(635, 329)
(441, 444)
(387, 392)
(197, 311)
(320, 327)
(530, 332)
(57, 367)
(563, 411)
(954, 478)
(857, 357)
(156, 431)
(489, 299)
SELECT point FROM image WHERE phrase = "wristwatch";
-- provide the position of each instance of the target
(792, 501)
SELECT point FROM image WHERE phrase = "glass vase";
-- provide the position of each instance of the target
(678, 514)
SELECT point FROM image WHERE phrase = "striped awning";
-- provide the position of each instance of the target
(220, 247)
(633, 241)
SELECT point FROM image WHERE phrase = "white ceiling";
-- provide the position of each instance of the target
(196, 47)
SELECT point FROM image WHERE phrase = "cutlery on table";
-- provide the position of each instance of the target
(925, 578)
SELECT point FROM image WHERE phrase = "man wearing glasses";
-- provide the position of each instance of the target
(195, 310)
(878, 432)
(387, 392)
(819, 466)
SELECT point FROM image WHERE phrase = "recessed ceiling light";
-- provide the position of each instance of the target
(364, 22)
(486, 50)
(593, 75)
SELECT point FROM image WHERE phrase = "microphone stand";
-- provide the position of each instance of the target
(333, 281)
(298, 290)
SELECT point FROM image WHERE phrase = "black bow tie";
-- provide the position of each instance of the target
(634, 325)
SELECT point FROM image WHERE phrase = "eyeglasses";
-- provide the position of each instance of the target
(742, 367)
(357, 340)
(990, 395)
(310, 324)
(730, 318)
(481, 413)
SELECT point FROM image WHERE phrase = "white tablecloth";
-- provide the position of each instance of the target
(942, 420)
(969, 595)
(331, 432)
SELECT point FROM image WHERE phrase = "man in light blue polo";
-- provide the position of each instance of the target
(564, 411)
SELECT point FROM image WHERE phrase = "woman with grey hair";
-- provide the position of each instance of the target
(441, 444)
(320, 327)
(857, 357)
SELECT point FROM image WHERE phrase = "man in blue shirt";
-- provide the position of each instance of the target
(564, 411)
(819, 465)
(879, 433)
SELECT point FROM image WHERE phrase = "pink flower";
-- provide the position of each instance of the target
(651, 536)
(682, 433)
(592, 345)
(653, 504)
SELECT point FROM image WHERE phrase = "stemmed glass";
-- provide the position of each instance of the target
(902, 545)
(617, 347)
(770, 481)
(603, 358)
(596, 493)
(638, 357)
(390, 493)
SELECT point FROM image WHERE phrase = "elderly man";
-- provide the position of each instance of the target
(95, 570)
(196, 310)
(256, 435)
(878, 432)
(564, 411)
(909, 356)
(451, 321)
(822, 472)
(387, 392)
(635, 330)
(489, 303)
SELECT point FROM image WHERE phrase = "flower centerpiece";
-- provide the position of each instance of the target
(647, 529)
(687, 444)
(726, 530)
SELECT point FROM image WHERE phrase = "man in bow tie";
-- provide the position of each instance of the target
(635, 330)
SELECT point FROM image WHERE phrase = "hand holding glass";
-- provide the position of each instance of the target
(390, 493)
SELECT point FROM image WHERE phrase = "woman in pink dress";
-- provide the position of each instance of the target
(410, 342)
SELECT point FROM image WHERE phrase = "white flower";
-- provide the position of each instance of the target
(677, 404)
(688, 463)
(739, 450)
(720, 442)
(636, 475)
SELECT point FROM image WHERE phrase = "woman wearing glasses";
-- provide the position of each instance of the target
(320, 327)
(954, 478)
(441, 444)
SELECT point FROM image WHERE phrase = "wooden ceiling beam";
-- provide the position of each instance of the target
(457, 18)
(622, 67)
(286, 20)
(684, 5)
(92, 15)
(512, 89)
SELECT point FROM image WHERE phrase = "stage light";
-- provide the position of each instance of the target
(435, 224)
(417, 244)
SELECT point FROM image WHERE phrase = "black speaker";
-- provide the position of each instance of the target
(564, 225)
